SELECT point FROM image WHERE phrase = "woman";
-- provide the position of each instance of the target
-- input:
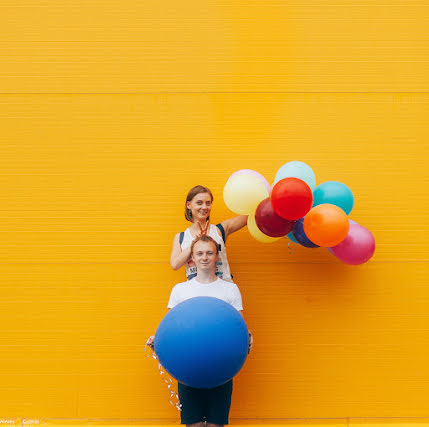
(197, 211)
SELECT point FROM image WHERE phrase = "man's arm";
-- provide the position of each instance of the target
(250, 336)
(150, 341)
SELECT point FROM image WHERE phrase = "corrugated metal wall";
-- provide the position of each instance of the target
(111, 110)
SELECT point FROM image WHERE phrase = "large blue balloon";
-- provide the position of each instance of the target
(300, 236)
(336, 193)
(202, 342)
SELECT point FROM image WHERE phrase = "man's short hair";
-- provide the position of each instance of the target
(205, 238)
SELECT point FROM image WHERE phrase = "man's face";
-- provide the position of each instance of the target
(204, 256)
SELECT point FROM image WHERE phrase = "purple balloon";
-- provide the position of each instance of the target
(300, 236)
(357, 248)
(254, 173)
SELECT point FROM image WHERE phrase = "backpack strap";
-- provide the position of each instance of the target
(181, 237)
(222, 230)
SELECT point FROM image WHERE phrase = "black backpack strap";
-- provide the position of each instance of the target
(181, 237)
(222, 230)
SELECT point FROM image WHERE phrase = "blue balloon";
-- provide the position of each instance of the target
(336, 193)
(202, 342)
(291, 237)
(300, 236)
(298, 170)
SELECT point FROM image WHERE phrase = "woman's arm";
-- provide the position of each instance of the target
(232, 225)
(178, 257)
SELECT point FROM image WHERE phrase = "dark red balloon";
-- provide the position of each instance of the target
(269, 222)
(291, 198)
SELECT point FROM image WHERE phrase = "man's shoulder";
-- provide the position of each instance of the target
(227, 284)
(182, 284)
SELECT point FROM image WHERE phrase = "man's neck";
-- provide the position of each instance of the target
(206, 277)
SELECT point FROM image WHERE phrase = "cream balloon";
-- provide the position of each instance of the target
(254, 173)
(243, 193)
(256, 233)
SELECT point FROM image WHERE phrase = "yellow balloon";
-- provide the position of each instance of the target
(243, 193)
(256, 233)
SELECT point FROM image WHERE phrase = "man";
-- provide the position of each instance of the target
(205, 405)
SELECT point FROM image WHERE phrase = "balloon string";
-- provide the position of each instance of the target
(167, 379)
(289, 247)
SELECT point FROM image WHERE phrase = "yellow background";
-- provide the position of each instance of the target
(111, 110)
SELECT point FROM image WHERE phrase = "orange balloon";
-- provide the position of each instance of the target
(326, 225)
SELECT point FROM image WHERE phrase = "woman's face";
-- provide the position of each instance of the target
(200, 206)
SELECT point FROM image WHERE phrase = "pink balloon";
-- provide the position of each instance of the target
(358, 247)
(254, 173)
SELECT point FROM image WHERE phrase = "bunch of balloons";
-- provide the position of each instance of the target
(294, 206)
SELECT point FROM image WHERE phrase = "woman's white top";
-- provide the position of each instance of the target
(222, 267)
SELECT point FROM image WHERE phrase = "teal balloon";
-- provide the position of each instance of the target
(336, 193)
(292, 237)
(298, 170)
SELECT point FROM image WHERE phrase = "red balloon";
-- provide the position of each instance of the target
(291, 198)
(269, 222)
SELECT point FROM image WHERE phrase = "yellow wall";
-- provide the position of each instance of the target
(110, 110)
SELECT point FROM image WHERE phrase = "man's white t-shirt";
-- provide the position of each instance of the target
(226, 291)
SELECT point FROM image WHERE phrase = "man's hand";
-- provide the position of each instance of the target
(250, 343)
(150, 341)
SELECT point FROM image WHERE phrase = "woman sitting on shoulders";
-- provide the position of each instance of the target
(197, 211)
